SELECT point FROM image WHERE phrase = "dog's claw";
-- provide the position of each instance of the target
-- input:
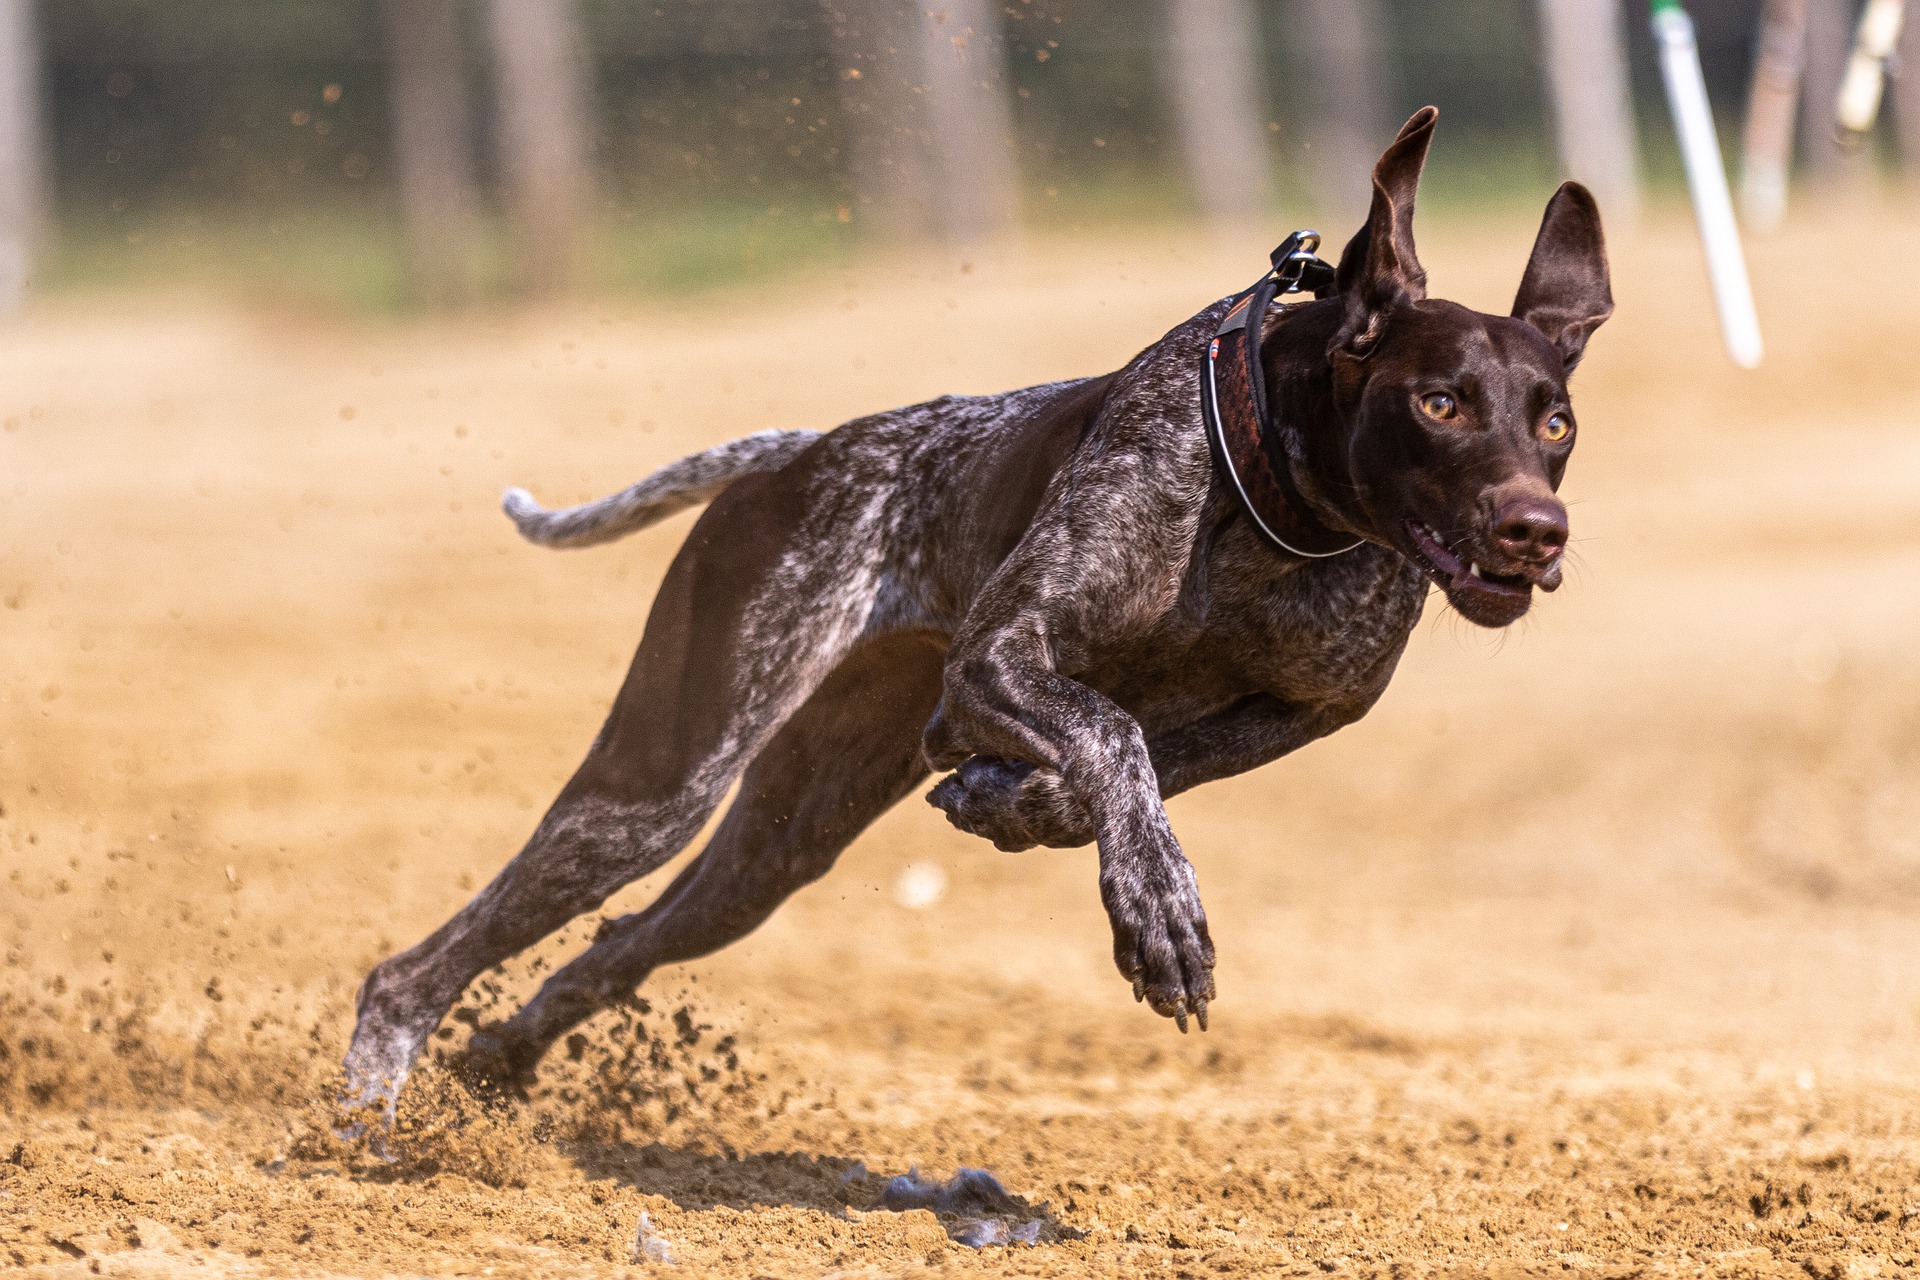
(1160, 941)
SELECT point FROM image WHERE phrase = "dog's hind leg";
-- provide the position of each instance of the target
(843, 759)
(768, 593)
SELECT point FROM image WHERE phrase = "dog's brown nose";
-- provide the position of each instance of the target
(1531, 527)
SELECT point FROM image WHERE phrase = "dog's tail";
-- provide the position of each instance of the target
(689, 482)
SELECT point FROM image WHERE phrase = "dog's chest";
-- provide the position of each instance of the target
(1331, 631)
(1322, 634)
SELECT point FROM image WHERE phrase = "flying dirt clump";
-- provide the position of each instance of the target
(631, 1073)
(440, 1127)
(74, 1041)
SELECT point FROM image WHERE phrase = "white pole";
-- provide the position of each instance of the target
(1700, 148)
(1858, 103)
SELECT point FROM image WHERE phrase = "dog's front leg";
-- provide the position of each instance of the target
(1019, 805)
(1003, 699)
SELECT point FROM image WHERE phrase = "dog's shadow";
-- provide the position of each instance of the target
(701, 1181)
(972, 1207)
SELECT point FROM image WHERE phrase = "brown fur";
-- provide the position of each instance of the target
(1051, 594)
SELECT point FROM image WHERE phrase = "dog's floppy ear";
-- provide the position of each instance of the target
(1565, 293)
(1378, 270)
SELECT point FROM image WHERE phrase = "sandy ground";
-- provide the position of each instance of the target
(1593, 949)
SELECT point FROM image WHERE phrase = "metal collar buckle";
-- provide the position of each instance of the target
(1297, 265)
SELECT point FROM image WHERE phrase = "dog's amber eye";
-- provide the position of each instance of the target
(1439, 405)
(1556, 428)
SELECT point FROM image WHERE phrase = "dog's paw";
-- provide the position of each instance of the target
(1013, 804)
(1160, 938)
(978, 798)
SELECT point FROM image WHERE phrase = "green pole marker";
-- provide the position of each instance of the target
(1712, 204)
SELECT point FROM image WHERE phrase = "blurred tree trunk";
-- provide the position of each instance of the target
(1592, 101)
(433, 146)
(1829, 41)
(1905, 88)
(1212, 63)
(1345, 62)
(1767, 149)
(876, 64)
(540, 66)
(970, 125)
(22, 177)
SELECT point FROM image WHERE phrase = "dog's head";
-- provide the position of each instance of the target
(1457, 423)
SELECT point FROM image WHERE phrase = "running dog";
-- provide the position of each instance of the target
(1075, 600)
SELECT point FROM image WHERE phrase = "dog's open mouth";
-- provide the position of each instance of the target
(1459, 575)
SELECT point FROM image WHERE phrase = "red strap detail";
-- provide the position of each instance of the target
(1231, 406)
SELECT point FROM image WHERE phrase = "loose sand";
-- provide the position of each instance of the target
(1593, 949)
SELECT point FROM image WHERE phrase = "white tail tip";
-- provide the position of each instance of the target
(519, 504)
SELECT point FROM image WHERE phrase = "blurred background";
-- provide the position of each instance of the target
(1597, 941)
(385, 153)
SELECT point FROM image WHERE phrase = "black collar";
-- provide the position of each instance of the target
(1242, 431)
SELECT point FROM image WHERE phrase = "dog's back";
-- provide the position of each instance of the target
(972, 466)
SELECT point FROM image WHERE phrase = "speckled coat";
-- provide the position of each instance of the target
(1049, 595)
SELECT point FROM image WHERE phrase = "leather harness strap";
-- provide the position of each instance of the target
(1242, 431)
